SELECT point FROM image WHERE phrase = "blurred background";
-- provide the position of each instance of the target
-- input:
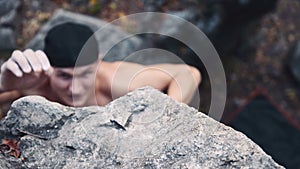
(258, 43)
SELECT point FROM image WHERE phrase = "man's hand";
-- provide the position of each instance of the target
(24, 70)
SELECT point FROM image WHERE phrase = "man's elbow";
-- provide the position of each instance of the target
(196, 74)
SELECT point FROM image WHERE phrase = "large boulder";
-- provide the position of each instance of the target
(144, 129)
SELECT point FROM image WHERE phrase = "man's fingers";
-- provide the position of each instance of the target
(33, 60)
(27, 61)
(45, 62)
(14, 68)
(17, 57)
(43, 59)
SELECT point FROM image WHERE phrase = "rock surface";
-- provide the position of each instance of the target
(144, 129)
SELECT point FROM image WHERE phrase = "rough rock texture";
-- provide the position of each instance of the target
(144, 129)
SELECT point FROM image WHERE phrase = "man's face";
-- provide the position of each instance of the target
(74, 86)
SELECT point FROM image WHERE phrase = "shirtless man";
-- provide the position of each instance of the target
(55, 74)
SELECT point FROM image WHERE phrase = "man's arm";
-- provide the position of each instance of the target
(179, 80)
(24, 70)
(184, 84)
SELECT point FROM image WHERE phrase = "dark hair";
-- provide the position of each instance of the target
(65, 45)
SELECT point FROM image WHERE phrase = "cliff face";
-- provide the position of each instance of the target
(144, 129)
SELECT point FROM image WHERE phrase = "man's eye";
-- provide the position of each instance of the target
(65, 76)
(85, 74)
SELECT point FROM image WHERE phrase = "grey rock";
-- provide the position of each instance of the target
(8, 18)
(206, 24)
(35, 5)
(107, 35)
(294, 61)
(8, 10)
(10, 162)
(143, 129)
(153, 5)
(6, 6)
(7, 15)
(7, 39)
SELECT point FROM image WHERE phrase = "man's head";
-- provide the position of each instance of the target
(70, 44)
(73, 52)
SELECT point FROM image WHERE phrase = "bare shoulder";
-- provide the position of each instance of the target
(129, 68)
(123, 64)
(135, 66)
(176, 69)
(173, 66)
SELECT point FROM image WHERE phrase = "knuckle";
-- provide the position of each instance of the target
(28, 51)
(16, 54)
(39, 54)
(39, 51)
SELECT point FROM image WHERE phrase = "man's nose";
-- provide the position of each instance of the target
(76, 86)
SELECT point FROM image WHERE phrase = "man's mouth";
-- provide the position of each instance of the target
(75, 97)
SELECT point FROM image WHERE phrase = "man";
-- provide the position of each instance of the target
(58, 74)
